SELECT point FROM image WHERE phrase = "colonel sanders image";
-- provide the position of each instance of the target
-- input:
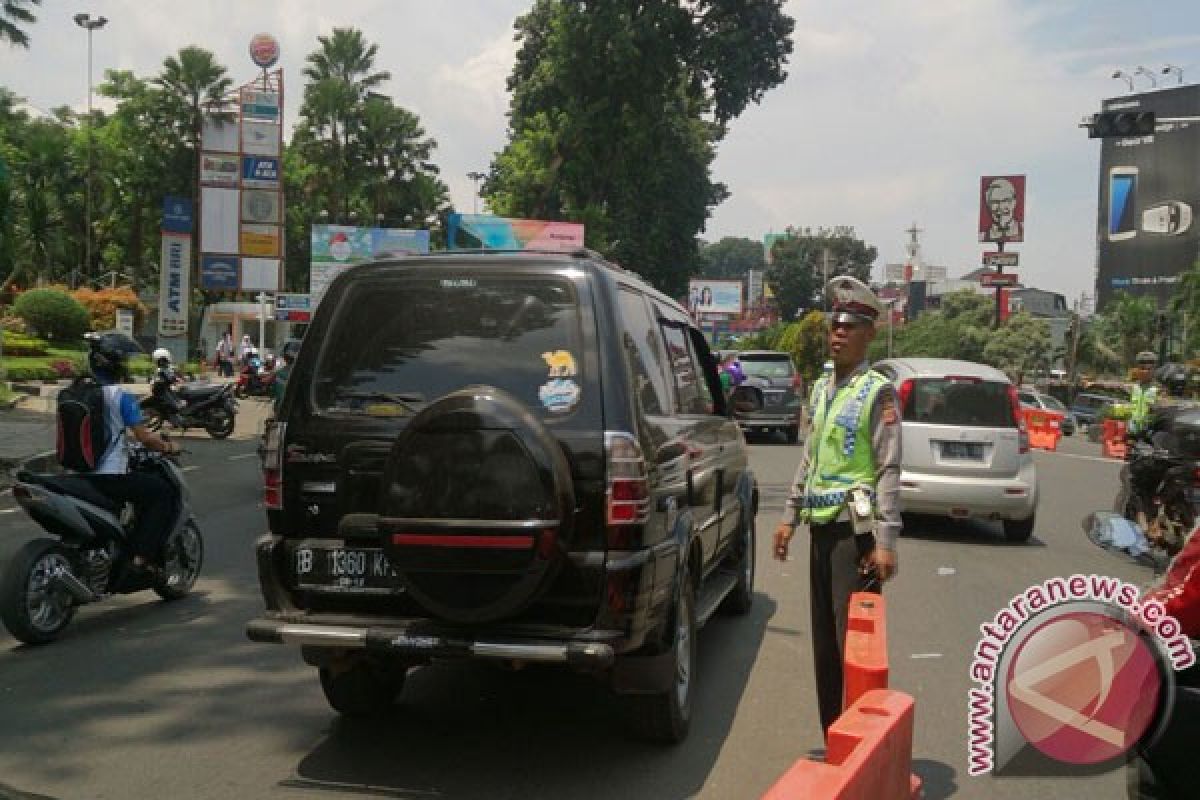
(1000, 197)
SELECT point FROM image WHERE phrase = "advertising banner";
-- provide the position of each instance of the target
(260, 138)
(219, 211)
(260, 274)
(1002, 208)
(220, 135)
(173, 284)
(177, 215)
(260, 172)
(714, 297)
(219, 273)
(260, 105)
(1006, 259)
(260, 240)
(218, 169)
(1147, 225)
(488, 232)
(293, 307)
(335, 247)
(261, 206)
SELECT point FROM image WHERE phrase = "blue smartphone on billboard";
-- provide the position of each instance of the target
(1122, 203)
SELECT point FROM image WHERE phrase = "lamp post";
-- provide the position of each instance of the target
(477, 177)
(1171, 68)
(89, 24)
(1124, 76)
(1149, 75)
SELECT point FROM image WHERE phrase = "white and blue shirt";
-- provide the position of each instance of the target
(123, 412)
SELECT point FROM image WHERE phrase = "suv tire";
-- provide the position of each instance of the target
(664, 717)
(1018, 530)
(364, 689)
(741, 599)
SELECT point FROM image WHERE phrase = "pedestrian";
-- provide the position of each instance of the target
(847, 486)
(245, 349)
(225, 355)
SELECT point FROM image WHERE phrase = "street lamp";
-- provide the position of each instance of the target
(1122, 75)
(1150, 75)
(477, 177)
(1171, 68)
(89, 24)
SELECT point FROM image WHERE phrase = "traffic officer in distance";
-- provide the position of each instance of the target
(1144, 394)
(847, 487)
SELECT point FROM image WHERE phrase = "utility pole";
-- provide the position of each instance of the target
(88, 23)
(476, 177)
(825, 278)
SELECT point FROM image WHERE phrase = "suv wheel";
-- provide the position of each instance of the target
(665, 716)
(1018, 530)
(365, 688)
(741, 598)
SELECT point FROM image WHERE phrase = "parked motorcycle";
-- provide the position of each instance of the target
(1160, 482)
(208, 406)
(45, 580)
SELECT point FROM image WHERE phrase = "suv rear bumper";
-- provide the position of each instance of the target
(421, 644)
(754, 422)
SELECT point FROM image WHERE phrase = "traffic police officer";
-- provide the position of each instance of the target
(1144, 393)
(846, 488)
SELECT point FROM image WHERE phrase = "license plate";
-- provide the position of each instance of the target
(963, 451)
(773, 398)
(363, 570)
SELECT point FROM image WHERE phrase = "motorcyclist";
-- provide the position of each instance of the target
(163, 390)
(151, 495)
(1144, 394)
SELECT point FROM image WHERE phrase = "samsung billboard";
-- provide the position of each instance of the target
(1147, 227)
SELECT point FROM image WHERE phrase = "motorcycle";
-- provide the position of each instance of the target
(255, 381)
(208, 406)
(47, 579)
(1160, 482)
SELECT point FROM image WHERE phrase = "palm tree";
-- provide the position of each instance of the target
(346, 56)
(1185, 304)
(14, 14)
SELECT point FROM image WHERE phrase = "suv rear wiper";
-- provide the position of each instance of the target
(402, 399)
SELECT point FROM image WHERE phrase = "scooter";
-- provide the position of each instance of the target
(255, 380)
(208, 406)
(1160, 482)
(44, 581)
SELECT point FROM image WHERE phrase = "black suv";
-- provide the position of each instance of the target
(523, 457)
(777, 405)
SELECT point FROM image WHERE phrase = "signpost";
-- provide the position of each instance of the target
(1001, 220)
(293, 308)
(999, 259)
(998, 280)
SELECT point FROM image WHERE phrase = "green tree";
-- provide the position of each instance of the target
(52, 314)
(1019, 347)
(1128, 321)
(731, 257)
(960, 328)
(14, 15)
(616, 112)
(800, 261)
(806, 341)
(1185, 308)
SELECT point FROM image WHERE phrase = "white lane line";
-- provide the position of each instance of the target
(192, 468)
(926, 655)
(241, 456)
(9, 510)
(1084, 458)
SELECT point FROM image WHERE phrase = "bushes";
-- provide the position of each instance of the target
(20, 345)
(102, 305)
(53, 314)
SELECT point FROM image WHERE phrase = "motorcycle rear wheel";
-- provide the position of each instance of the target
(183, 556)
(34, 610)
(220, 424)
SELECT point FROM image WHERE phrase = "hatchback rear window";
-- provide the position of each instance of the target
(399, 345)
(766, 366)
(967, 403)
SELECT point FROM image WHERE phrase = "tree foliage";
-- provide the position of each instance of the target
(798, 265)
(732, 257)
(1127, 322)
(807, 343)
(617, 108)
(1020, 347)
(52, 314)
(14, 16)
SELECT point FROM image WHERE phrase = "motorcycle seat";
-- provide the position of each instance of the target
(73, 485)
(203, 391)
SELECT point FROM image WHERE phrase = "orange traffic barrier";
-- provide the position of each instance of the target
(1044, 427)
(868, 755)
(865, 661)
(1114, 438)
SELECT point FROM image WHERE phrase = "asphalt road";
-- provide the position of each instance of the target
(142, 699)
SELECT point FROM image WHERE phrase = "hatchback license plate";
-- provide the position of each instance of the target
(963, 451)
(344, 569)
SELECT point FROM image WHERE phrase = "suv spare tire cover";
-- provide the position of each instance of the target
(478, 506)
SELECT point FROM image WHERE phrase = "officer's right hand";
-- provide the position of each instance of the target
(783, 536)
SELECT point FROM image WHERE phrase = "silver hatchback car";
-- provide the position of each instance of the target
(966, 452)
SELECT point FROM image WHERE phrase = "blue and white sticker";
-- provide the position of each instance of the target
(560, 395)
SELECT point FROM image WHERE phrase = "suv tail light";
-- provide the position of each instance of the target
(905, 392)
(628, 489)
(273, 465)
(1018, 420)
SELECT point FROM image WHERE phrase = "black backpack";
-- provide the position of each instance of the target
(83, 425)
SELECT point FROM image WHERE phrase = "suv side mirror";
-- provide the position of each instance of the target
(747, 399)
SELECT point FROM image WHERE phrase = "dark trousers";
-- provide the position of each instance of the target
(833, 575)
(153, 501)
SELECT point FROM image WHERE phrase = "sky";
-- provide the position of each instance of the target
(891, 112)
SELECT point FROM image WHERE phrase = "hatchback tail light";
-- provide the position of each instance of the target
(273, 465)
(905, 392)
(628, 488)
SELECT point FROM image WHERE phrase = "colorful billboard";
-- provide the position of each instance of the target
(488, 232)
(219, 169)
(173, 284)
(714, 297)
(335, 247)
(1002, 208)
(177, 214)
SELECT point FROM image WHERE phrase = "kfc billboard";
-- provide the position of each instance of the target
(1002, 208)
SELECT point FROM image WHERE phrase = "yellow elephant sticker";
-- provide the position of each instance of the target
(561, 364)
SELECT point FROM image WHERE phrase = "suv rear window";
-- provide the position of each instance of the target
(956, 401)
(766, 366)
(409, 341)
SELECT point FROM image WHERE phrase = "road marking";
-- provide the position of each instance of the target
(190, 469)
(242, 455)
(944, 571)
(1085, 458)
(9, 510)
(926, 655)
